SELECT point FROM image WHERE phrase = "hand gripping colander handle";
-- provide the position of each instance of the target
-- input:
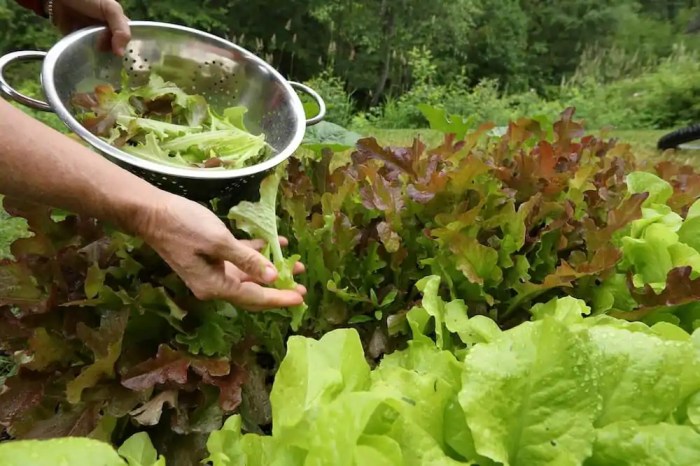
(314, 95)
(7, 90)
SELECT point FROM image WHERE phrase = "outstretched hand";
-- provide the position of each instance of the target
(212, 263)
(71, 15)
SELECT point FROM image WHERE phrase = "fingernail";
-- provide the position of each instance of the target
(270, 274)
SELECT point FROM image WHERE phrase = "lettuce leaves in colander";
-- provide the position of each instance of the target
(161, 123)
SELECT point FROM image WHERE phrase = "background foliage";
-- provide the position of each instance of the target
(627, 63)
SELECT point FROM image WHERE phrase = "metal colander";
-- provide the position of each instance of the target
(224, 73)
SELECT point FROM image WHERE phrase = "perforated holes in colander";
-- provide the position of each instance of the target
(139, 172)
(232, 186)
(272, 124)
(154, 179)
(136, 65)
(216, 81)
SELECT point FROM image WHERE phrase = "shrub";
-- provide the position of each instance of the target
(338, 102)
(665, 96)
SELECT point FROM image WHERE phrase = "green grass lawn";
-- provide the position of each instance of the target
(644, 146)
(642, 142)
(643, 139)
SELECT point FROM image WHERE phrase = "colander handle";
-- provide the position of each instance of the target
(314, 95)
(9, 91)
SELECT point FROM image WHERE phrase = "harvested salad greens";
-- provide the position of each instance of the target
(158, 121)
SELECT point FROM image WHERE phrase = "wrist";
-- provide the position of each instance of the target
(136, 209)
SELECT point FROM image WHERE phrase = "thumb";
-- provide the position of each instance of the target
(249, 260)
(107, 11)
(118, 23)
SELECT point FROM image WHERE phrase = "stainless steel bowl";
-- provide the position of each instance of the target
(224, 73)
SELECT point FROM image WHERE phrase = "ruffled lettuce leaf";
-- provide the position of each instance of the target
(527, 399)
(137, 450)
(259, 220)
(661, 240)
(631, 444)
(563, 389)
(159, 121)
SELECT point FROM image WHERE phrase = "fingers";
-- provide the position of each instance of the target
(244, 277)
(253, 297)
(241, 255)
(245, 270)
(83, 13)
(298, 268)
(259, 245)
(247, 259)
(113, 14)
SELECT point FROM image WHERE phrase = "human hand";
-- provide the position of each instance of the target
(71, 15)
(212, 263)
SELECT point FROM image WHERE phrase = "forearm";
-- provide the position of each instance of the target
(40, 165)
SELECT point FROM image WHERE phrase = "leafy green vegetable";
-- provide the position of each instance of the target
(327, 135)
(73, 451)
(259, 220)
(628, 444)
(390, 419)
(546, 392)
(139, 451)
(532, 405)
(463, 305)
(440, 120)
(659, 190)
(158, 121)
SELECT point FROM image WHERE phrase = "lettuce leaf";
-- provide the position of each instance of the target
(259, 220)
(641, 377)
(631, 444)
(660, 191)
(315, 373)
(391, 418)
(562, 389)
(547, 392)
(527, 397)
(151, 150)
(73, 451)
(662, 240)
(139, 451)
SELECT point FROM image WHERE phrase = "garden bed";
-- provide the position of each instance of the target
(525, 298)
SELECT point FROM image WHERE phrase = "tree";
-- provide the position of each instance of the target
(497, 44)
